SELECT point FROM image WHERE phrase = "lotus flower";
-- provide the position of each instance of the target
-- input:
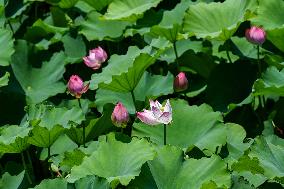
(180, 82)
(120, 116)
(157, 115)
(255, 35)
(76, 86)
(96, 57)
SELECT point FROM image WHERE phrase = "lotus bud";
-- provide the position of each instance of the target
(96, 57)
(76, 86)
(255, 35)
(180, 82)
(120, 115)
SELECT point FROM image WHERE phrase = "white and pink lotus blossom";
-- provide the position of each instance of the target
(158, 114)
(76, 86)
(95, 58)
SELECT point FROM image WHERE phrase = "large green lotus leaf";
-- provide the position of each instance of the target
(43, 137)
(7, 49)
(191, 126)
(38, 84)
(245, 48)
(52, 183)
(235, 142)
(104, 96)
(119, 65)
(4, 80)
(145, 180)
(276, 36)
(2, 13)
(116, 161)
(74, 48)
(216, 20)
(171, 22)
(127, 82)
(245, 163)
(48, 27)
(182, 46)
(49, 116)
(269, 14)
(11, 182)
(76, 133)
(92, 182)
(49, 123)
(129, 9)
(14, 139)
(170, 34)
(98, 4)
(96, 28)
(146, 88)
(151, 86)
(103, 124)
(272, 83)
(66, 4)
(170, 171)
(60, 146)
(270, 152)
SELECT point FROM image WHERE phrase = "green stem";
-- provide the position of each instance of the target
(258, 62)
(133, 99)
(84, 128)
(228, 55)
(30, 161)
(165, 134)
(49, 163)
(25, 167)
(11, 27)
(259, 70)
(176, 54)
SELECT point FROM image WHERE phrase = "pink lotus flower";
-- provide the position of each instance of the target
(157, 115)
(96, 57)
(76, 86)
(255, 35)
(120, 115)
(180, 82)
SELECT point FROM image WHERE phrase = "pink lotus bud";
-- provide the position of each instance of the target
(180, 82)
(76, 86)
(255, 35)
(96, 57)
(120, 116)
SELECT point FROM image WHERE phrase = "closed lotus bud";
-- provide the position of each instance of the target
(76, 86)
(180, 82)
(256, 35)
(96, 57)
(120, 115)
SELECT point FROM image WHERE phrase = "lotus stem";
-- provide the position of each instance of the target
(133, 99)
(227, 52)
(30, 161)
(176, 54)
(262, 98)
(25, 167)
(83, 125)
(165, 134)
(49, 163)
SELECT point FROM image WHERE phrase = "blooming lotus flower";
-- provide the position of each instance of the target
(120, 116)
(255, 35)
(96, 57)
(76, 86)
(157, 114)
(180, 82)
